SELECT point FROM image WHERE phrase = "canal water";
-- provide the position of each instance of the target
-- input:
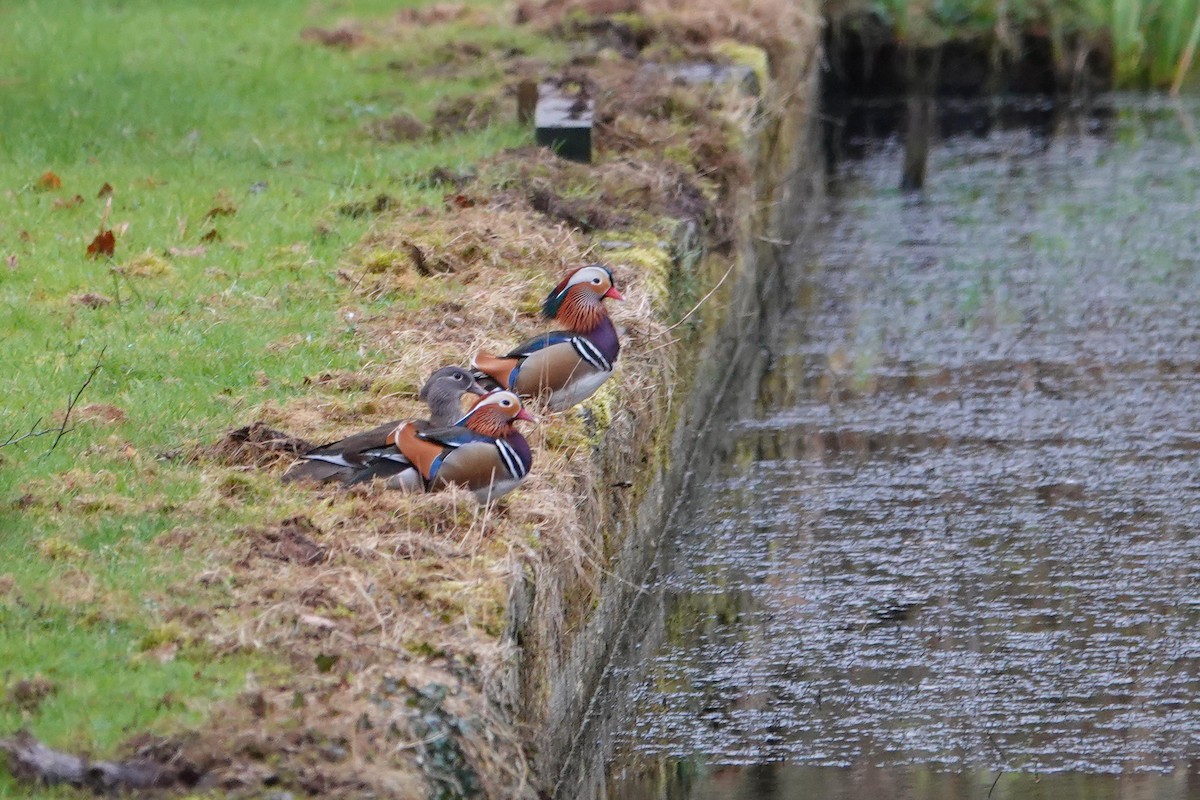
(954, 547)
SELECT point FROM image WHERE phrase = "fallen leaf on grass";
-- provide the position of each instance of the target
(224, 210)
(106, 241)
(212, 236)
(49, 181)
(105, 190)
(105, 244)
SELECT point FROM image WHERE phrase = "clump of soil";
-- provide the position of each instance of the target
(344, 36)
(435, 14)
(289, 541)
(455, 115)
(686, 26)
(397, 128)
(376, 205)
(254, 445)
(340, 381)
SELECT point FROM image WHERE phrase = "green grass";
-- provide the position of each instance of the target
(182, 107)
(1148, 37)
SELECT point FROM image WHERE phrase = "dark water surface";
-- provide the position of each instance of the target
(959, 537)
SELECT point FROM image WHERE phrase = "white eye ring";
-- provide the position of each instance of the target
(596, 281)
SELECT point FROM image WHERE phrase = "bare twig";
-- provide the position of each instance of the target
(63, 430)
(33, 431)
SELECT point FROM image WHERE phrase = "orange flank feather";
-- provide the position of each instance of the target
(495, 367)
(421, 453)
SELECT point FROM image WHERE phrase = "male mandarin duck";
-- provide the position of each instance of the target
(345, 460)
(569, 365)
(482, 452)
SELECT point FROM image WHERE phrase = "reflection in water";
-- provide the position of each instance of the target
(957, 543)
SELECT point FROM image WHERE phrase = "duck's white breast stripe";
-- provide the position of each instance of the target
(512, 462)
(591, 354)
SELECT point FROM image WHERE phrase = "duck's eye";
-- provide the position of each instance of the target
(596, 281)
(506, 403)
(459, 378)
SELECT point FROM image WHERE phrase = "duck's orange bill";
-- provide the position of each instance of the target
(614, 294)
(525, 415)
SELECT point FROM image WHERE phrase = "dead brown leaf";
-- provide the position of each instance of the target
(223, 210)
(459, 201)
(104, 244)
(105, 190)
(212, 236)
(48, 181)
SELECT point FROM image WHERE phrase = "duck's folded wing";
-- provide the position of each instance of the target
(380, 462)
(453, 436)
(341, 459)
(356, 444)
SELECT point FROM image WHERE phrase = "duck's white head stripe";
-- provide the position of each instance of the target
(587, 274)
(591, 354)
(495, 398)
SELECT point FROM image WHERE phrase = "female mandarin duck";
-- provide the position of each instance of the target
(346, 460)
(568, 364)
(482, 452)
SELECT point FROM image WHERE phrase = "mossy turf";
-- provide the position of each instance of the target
(236, 151)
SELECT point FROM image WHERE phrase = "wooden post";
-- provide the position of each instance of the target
(527, 97)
